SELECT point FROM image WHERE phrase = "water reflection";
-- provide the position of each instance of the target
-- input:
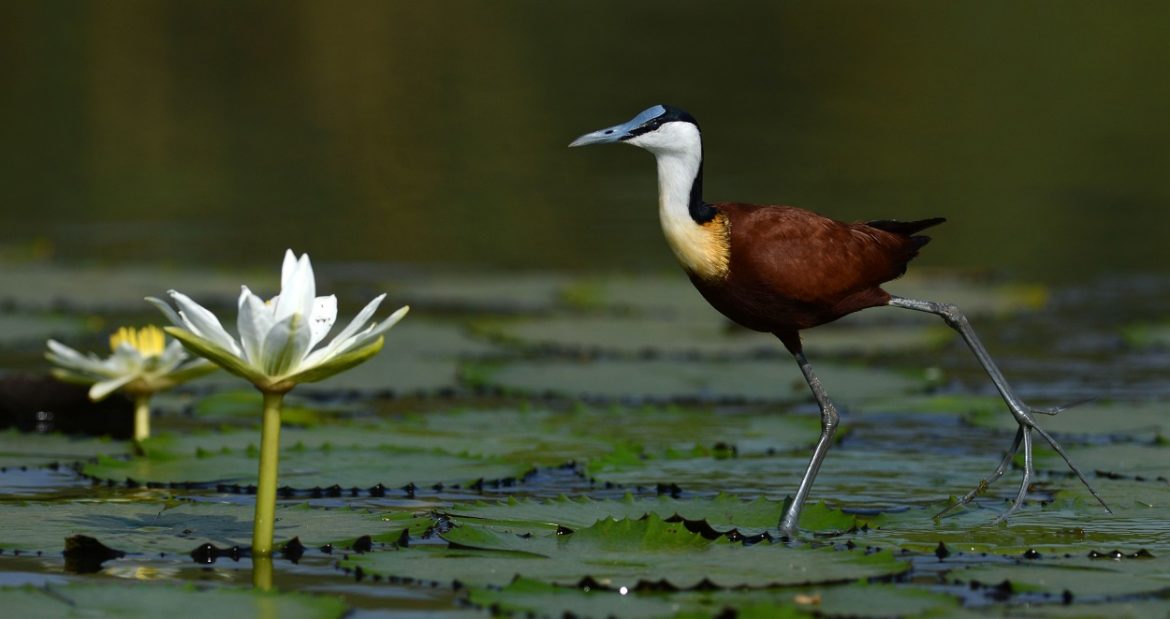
(435, 132)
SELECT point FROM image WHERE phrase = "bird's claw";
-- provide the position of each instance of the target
(1056, 410)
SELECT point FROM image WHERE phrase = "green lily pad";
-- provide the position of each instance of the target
(1149, 461)
(29, 449)
(511, 292)
(1079, 574)
(44, 286)
(776, 380)
(709, 336)
(462, 436)
(723, 513)
(847, 600)
(1147, 335)
(1114, 609)
(246, 405)
(533, 596)
(975, 297)
(119, 599)
(310, 468)
(19, 328)
(619, 553)
(1103, 419)
(543, 437)
(858, 478)
(535, 436)
(149, 527)
(1137, 505)
(670, 295)
(673, 295)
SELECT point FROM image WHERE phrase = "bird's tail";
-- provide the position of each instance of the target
(907, 228)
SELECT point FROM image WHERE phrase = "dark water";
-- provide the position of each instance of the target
(435, 132)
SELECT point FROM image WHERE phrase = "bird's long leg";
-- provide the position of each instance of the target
(790, 522)
(1022, 413)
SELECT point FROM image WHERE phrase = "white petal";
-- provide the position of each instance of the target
(201, 322)
(285, 346)
(287, 268)
(66, 357)
(125, 356)
(385, 325)
(100, 390)
(64, 352)
(254, 322)
(170, 358)
(373, 333)
(358, 322)
(324, 315)
(298, 290)
(167, 310)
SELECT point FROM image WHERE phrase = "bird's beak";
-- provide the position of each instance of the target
(620, 132)
(604, 136)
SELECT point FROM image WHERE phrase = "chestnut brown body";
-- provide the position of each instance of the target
(791, 269)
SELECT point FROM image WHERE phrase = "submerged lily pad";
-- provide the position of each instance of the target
(775, 380)
(619, 553)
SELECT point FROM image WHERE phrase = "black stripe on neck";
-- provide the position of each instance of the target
(700, 211)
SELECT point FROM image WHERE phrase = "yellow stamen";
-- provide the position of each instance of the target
(149, 340)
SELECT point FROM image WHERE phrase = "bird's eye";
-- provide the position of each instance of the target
(608, 131)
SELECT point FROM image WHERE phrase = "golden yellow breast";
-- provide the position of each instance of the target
(703, 249)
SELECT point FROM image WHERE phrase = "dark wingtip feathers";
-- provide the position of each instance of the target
(906, 228)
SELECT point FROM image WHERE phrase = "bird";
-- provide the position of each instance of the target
(782, 269)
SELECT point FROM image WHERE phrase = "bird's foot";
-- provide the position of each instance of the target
(1027, 429)
(1023, 438)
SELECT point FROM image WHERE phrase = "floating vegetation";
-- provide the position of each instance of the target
(580, 449)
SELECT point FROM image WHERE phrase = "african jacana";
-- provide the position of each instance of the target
(780, 269)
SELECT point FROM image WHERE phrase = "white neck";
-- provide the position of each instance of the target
(679, 150)
(676, 175)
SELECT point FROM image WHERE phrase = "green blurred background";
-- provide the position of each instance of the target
(434, 132)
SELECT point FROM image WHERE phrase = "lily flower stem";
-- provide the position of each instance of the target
(262, 576)
(266, 487)
(141, 418)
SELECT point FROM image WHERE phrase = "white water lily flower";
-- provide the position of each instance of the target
(142, 363)
(279, 338)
